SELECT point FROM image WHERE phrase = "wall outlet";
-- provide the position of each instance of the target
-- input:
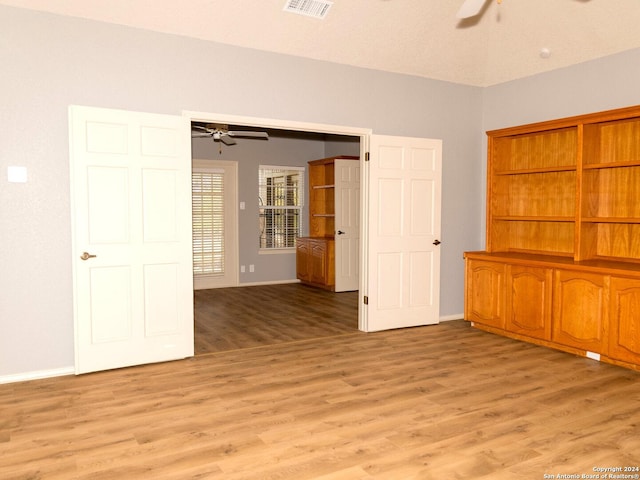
(242, 269)
(593, 356)
(252, 268)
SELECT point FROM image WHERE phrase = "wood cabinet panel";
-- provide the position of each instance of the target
(529, 301)
(484, 294)
(580, 310)
(624, 331)
(302, 260)
(315, 261)
(318, 262)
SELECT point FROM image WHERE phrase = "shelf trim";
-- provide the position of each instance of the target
(527, 171)
(534, 218)
(606, 165)
(627, 220)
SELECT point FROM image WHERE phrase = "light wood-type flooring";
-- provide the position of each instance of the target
(439, 402)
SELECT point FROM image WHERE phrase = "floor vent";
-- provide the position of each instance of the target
(309, 8)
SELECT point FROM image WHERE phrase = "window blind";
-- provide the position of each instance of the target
(280, 205)
(208, 222)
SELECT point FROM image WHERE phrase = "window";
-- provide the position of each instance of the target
(208, 221)
(280, 206)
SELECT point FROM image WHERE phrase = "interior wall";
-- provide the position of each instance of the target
(250, 154)
(50, 62)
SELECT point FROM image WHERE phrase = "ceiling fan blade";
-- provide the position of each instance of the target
(227, 140)
(200, 134)
(248, 134)
(199, 128)
(470, 8)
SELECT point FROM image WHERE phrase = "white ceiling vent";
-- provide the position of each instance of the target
(309, 8)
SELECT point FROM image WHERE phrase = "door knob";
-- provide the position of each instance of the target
(340, 232)
(86, 256)
(437, 242)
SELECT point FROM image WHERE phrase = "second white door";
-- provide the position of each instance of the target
(403, 253)
(347, 224)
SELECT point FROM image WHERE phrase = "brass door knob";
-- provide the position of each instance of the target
(86, 256)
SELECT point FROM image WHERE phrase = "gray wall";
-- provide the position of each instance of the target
(288, 149)
(50, 62)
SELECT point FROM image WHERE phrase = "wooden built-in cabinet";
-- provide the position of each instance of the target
(315, 254)
(562, 264)
(315, 261)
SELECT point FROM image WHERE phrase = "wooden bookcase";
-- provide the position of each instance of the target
(562, 264)
(315, 254)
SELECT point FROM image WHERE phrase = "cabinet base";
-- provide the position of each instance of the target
(556, 346)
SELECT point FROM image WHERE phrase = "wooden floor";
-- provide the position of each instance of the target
(440, 402)
(247, 317)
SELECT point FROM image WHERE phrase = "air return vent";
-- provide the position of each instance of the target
(309, 8)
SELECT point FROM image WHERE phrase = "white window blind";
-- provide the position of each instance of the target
(208, 221)
(280, 196)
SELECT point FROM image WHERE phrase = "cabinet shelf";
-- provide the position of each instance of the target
(599, 166)
(526, 171)
(625, 220)
(533, 218)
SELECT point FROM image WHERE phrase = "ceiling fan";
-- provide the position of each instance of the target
(221, 133)
(471, 8)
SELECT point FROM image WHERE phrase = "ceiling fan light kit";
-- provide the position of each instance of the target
(222, 134)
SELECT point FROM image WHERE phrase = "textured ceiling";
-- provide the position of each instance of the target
(416, 37)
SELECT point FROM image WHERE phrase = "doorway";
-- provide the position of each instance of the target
(399, 276)
(293, 146)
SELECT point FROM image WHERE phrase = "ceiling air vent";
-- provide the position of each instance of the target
(309, 8)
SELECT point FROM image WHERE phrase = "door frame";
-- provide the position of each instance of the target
(363, 133)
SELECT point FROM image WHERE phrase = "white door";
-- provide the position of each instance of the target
(215, 225)
(131, 237)
(403, 212)
(347, 224)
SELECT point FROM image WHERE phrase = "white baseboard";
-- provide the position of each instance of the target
(25, 377)
(455, 316)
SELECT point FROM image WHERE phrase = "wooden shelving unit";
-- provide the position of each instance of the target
(315, 254)
(562, 265)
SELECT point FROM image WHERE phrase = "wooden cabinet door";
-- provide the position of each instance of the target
(624, 332)
(484, 292)
(302, 259)
(318, 262)
(580, 310)
(528, 299)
